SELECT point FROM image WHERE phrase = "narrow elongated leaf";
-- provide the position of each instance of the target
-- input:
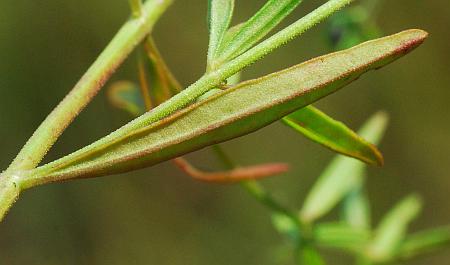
(257, 27)
(356, 209)
(317, 126)
(231, 176)
(342, 236)
(126, 96)
(311, 256)
(162, 83)
(237, 111)
(393, 227)
(341, 176)
(286, 226)
(220, 13)
(424, 242)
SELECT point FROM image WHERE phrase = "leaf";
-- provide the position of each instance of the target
(341, 236)
(310, 256)
(392, 228)
(236, 111)
(232, 176)
(341, 176)
(320, 128)
(162, 83)
(257, 27)
(220, 13)
(424, 242)
(286, 226)
(125, 95)
(133, 102)
(356, 209)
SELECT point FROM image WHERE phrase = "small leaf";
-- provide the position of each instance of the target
(424, 242)
(232, 176)
(126, 96)
(320, 128)
(220, 13)
(162, 83)
(356, 209)
(236, 111)
(342, 236)
(310, 256)
(257, 27)
(341, 176)
(286, 226)
(393, 227)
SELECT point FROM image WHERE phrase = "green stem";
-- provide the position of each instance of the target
(9, 192)
(130, 35)
(136, 7)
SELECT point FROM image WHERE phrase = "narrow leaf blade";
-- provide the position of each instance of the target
(162, 84)
(393, 227)
(342, 236)
(232, 176)
(341, 176)
(237, 111)
(424, 242)
(257, 27)
(220, 13)
(311, 256)
(322, 129)
(356, 209)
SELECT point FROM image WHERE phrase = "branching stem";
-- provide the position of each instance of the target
(130, 35)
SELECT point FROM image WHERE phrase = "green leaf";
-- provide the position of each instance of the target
(236, 111)
(125, 95)
(393, 227)
(162, 83)
(286, 226)
(342, 236)
(320, 128)
(310, 256)
(220, 13)
(356, 209)
(341, 176)
(424, 242)
(257, 27)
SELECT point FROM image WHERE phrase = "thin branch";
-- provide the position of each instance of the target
(128, 37)
(136, 7)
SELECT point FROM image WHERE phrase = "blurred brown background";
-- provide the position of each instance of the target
(160, 216)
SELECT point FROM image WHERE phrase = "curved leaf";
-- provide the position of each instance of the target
(341, 176)
(237, 111)
(393, 227)
(234, 175)
(322, 129)
(342, 236)
(257, 27)
(220, 13)
(424, 242)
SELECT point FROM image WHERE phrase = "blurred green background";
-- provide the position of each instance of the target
(160, 216)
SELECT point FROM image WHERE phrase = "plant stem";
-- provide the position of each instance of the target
(136, 7)
(9, 192)
(130, 35)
